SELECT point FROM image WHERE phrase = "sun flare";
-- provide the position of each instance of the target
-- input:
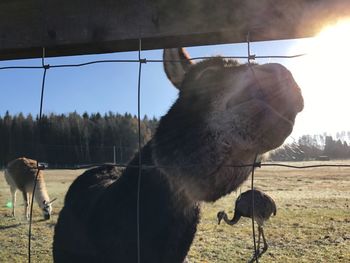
(324, 76)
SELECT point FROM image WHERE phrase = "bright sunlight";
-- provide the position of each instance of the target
(324, 77)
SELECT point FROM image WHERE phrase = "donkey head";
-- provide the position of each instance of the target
(226, 113)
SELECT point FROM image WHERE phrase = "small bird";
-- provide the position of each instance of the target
(264, 207)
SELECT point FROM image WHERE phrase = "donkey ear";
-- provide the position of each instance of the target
(176, 64)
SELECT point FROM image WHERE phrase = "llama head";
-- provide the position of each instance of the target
(47, 208)
(225, 114)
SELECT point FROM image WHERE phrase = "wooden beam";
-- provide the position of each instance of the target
(79, 27)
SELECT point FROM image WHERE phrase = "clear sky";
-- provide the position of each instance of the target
(102, 87)
(113, 86)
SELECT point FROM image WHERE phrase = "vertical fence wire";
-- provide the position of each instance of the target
(255, 256)
(250, 57)
(140, 155)
(38, 167)
(141, 61)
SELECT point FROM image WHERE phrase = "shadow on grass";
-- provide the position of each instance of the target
(10, 226)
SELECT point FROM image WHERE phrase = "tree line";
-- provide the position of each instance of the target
(66, 140)
(69, 139)
(316, 147)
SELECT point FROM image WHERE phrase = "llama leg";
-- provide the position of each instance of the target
(13, 194)
(26, 198)
(29, 205)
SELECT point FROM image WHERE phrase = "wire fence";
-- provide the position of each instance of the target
(141, 61)
(144, 61)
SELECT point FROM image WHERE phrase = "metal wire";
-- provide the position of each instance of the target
(45, 67)
(306, 166)
(253, 211)
(256, 165)
(140, 155)
(252, 57)
(141, 167)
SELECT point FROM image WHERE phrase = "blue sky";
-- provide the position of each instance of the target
(102, 87)
(113, 86)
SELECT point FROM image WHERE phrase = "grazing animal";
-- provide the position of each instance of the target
(20, 175)
(264, 207)
(223, 116)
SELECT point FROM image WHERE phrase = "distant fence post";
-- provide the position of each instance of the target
(114, 155)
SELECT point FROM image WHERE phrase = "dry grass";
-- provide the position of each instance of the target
(312, 222)
(14, 231)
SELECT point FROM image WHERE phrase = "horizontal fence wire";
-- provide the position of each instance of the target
(142, 166)
(255, 165)
(144, 60)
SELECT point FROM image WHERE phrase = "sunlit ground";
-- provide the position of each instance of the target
(311, 225)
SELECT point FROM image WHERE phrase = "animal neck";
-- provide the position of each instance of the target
(40, 193)
(182, 201)
(232, 221)
(197, 166)
(175, 191)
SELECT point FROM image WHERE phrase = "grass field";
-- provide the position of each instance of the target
(312, 222)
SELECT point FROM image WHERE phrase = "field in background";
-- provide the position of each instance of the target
(312, 222)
